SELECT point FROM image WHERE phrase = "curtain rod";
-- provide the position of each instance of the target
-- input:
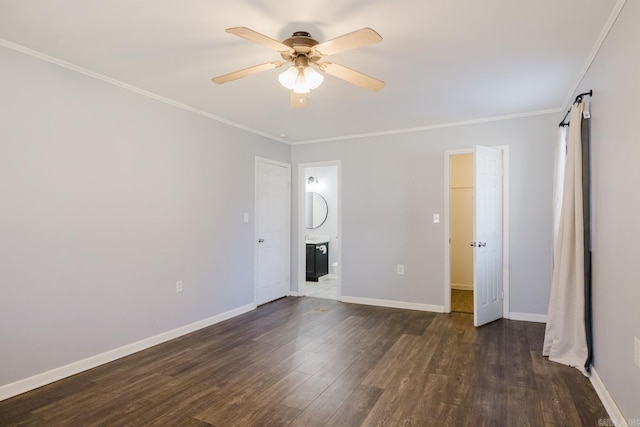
(577, 101)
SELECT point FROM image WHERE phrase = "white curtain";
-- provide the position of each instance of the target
(565, 338)
(558, 179)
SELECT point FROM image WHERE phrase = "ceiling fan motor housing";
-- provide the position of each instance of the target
(301, 42)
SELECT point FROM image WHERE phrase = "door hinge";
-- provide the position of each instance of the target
(502, 297)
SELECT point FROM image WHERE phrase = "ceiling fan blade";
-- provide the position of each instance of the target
(246, 72)
(352, 76)
(348, 41)
(256, 37)
(298, 100)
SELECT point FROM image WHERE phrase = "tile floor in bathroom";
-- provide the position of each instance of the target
(323, 288)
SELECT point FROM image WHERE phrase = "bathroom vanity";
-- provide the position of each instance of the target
(317, 260)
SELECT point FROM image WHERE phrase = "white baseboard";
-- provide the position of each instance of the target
(44, 378)
(393, 304)
(528, 317)
(609, 404)
(462, 287)
(294, 294)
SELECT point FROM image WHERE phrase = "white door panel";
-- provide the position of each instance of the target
(487, 235)
(272, 231)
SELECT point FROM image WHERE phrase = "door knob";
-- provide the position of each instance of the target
(260, 240)
(482, 244)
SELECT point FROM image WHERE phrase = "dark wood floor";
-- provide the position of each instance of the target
(316, 362)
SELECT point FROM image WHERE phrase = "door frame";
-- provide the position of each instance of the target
(505, 226)
(287, 214)
(301, 246)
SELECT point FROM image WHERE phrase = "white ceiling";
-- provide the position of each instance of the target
(443, 61)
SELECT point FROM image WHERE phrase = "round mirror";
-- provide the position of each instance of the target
(316, 210)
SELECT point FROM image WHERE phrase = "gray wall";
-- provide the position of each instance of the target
(391, 187)
(107, 199)
(615, 151)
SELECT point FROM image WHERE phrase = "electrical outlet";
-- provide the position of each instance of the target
(400, 269)
(636, 351)
(179, 286)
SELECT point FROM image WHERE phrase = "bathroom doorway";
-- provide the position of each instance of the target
(319, 230)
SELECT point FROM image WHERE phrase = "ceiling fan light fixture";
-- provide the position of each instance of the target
(301, 85)
(300, 80)
(289, 77)
(312, 78)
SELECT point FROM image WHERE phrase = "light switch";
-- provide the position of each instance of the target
(436, 218)
(246, 217)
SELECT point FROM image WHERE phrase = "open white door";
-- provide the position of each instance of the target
(487, 258)
(273, 184)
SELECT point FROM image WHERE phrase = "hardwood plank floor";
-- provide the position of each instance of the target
(316, 362)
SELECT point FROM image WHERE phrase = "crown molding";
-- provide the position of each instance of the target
(123, 85)
(594, 52)
(432, 127)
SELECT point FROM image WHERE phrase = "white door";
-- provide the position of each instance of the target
(487, 259)
(273, 189)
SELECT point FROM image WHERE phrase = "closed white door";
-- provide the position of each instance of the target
(487, 275)
(273, 189)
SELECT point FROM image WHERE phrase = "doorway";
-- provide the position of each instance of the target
(461, 226)
(475, 271)
(319, 230)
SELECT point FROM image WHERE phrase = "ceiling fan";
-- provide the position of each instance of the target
(302, 51)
